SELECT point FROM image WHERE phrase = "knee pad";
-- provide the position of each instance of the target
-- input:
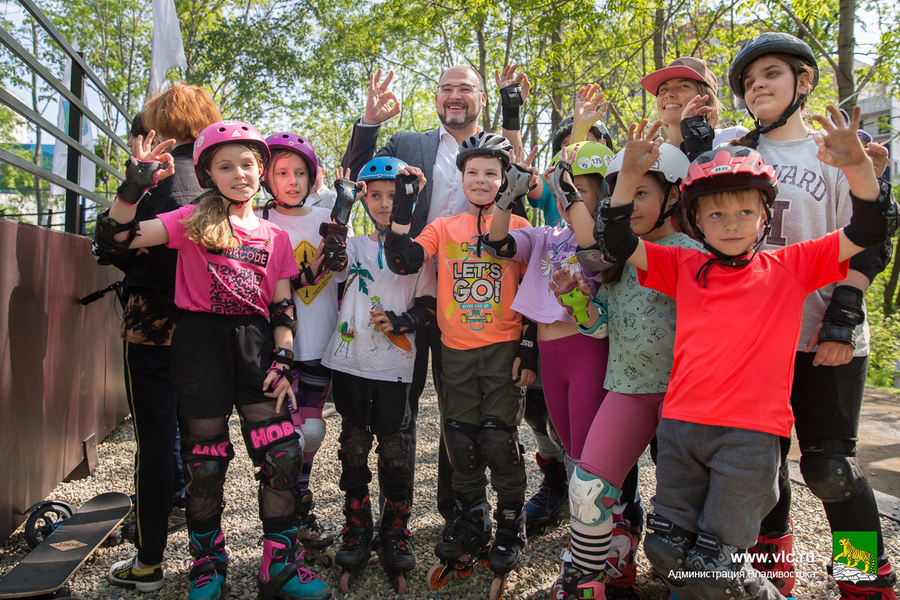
(500, 446)
(666, 545)
(274, 447)
(729, 578)
(832, 471)
(591, 498)
(312, 432)
(536, 415)
(462, 446)
(355, 446)
(206, 463)
(393, 451)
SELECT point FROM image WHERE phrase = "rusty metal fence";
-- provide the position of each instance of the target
(61, 377)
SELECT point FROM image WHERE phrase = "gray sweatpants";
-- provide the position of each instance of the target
(716, 480)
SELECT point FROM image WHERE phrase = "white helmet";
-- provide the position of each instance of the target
(672, 164)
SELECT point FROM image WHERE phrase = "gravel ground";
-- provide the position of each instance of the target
(243, 530)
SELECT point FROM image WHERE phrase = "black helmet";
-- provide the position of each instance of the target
(565, 128)
(769, 43)
(483, 144)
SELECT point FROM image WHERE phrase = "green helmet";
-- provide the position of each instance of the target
(591, 158)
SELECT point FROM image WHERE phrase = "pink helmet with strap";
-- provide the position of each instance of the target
(225, 132)
(285, 140)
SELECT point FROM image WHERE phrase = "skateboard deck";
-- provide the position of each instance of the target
(49, 566)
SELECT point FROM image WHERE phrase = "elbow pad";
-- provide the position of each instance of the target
(592, 259)
(495, 249)
(698, 136)
(872, 261)
(107, 229)
(617, 241)
(404, 257)
(872, 222)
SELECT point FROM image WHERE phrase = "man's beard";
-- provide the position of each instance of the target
(458, 123)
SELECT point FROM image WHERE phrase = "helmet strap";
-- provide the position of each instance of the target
(481, 208)
(381, 234)
(733, 261)
(799, 99)
(665, 214)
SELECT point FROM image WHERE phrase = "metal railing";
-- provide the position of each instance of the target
(78, 109)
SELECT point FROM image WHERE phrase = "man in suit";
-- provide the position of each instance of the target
(458, 101)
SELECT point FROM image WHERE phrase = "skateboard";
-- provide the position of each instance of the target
(47, 568)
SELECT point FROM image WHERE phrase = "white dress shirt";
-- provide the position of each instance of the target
(447, 197)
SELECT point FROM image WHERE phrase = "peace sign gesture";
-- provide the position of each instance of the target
(381, 104)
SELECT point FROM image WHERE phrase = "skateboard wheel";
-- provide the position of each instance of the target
(115, 538)
(44, 521)
(434, 579)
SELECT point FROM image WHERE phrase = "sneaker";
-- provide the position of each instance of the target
(126, 574)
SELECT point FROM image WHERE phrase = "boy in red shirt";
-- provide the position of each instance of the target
(738, 324)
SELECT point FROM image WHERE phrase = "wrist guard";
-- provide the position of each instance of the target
(575, 302)
(564, 190)
(514, 186)
(528, 348)
(140, 177)
(600, 329)
(306, 277)
(698, 136)
(284, 356)
(335, 237)
(842, 316)
(871, 222)
(403, 256)
(279, 316)
(592, 259)
(283, 373)
(414, 319)
(343, 204)
(107, 229)
(406, 190)
(511, 102)
(495, 249)
(617, 241)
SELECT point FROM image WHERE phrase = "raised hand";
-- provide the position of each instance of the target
(697, 106)
(589, 108)
(839, 146)
(144, 151)
(642, 148)
(509, 77)
(381, 103)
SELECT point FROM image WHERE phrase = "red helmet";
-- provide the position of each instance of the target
(225, 132)
(728, 168)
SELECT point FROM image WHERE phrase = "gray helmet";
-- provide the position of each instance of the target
(769, 43)
(483, 144)
(565, 128)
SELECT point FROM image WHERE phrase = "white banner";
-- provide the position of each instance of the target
(168, 49)
(88, 175)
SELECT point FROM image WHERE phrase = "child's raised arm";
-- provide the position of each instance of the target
(874, 212)
(116, 231)
(641, 152)
(404, 256)
(519, 178)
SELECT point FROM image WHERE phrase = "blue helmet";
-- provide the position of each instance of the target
(383, 167)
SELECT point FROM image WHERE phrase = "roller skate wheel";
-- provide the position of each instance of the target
(400, 585)
(345, 582)
(465, 573)
(497, 587)
(326, 559)
(434, 579)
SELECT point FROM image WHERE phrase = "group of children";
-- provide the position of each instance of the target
(646, 238)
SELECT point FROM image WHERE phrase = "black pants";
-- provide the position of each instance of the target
(428, 341)
(151, 399)
(827, 402)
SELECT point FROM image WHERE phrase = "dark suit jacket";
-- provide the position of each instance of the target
(415, 148)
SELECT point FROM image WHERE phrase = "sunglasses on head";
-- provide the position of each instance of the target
(862, 134)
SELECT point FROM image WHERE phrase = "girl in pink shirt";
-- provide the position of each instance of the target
(233, 274)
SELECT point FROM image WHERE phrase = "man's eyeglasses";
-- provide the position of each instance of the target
(464, 88)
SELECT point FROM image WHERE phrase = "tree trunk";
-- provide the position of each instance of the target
(659, 38)
(482, 67)
(556, 112)
(846, 47)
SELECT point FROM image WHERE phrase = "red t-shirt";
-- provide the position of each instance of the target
(237, 281)
(736, 338)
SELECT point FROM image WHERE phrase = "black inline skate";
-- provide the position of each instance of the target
(465, 543)
(354, 554)
(508, 544)
(394, 549)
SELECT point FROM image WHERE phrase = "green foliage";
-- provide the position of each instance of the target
(884, 333)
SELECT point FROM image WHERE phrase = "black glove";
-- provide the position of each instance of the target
(842, 316)
(335, 237)
(406, 190)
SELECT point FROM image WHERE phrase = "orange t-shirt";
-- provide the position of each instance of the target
(475, 294)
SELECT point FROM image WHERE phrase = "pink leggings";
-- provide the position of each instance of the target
(619, 434)
(572, 370)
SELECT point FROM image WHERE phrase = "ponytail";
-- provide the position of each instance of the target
(209, 225)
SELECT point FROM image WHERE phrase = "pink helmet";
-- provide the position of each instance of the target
(225, 132)
(286, 140)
